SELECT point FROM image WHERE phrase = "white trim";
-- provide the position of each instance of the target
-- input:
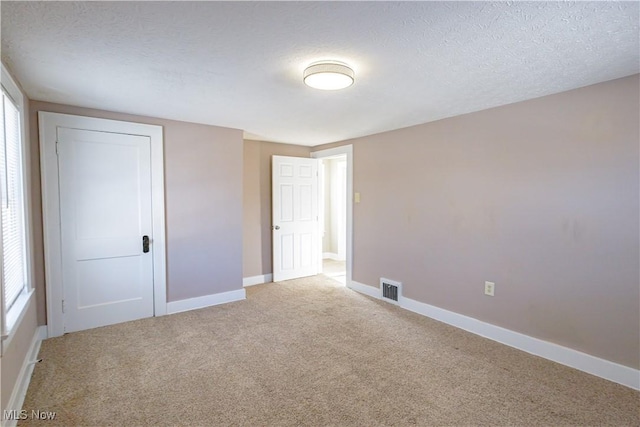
(24, 377)
(335, 152)
(257, 280)
(331, 255)
(49, 122)
(158, 218)
(371, 291)
(566, 356)
(205, 301)
(21, 306)
(12, 88)
(42, 333)
(8, 324)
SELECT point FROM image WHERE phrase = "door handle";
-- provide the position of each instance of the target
(277, 227)
(145, 244)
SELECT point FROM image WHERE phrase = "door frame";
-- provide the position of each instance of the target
(334, 152)
(49, 122)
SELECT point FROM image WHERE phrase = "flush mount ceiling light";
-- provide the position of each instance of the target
(328, 75)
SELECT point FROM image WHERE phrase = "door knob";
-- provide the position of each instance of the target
(145, 244)
(277, 227)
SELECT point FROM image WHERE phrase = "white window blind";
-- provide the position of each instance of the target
(13, 228)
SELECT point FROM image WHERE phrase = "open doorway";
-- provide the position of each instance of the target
(333, 196)
(336, 212)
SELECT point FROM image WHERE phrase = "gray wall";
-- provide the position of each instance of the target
(540, 197)
(203, 187)
(257, 202)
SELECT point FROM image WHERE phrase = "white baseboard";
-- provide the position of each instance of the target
(24, 377)
(257, 280)
(566, 356)
(332, 255)
(205, 301)
(371, 291)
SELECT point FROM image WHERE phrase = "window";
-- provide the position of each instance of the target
(15, 289)
(13, 235)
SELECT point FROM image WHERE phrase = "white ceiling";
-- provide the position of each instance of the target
(240, 64)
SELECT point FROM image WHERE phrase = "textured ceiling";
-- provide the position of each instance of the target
(239, 64)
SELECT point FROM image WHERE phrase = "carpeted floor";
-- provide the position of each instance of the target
(310, 352)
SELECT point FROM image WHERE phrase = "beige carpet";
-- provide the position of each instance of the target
(310, 352)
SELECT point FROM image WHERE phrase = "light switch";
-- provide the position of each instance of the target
(356, 197)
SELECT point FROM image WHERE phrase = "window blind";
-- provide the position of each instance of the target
(13, 230)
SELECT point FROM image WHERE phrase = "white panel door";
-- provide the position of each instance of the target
(106, 227)
(295, 230)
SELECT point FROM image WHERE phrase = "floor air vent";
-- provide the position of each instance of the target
(391, 290)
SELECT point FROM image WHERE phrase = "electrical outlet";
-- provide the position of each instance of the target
(489, 288)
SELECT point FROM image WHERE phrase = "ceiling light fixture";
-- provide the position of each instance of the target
(328, 75)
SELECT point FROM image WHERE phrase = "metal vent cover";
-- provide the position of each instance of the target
(391, 290)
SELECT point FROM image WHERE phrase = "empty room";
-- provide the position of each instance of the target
(320, 213)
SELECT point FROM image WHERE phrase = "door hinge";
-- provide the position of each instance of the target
(56, 148)
(63, 306)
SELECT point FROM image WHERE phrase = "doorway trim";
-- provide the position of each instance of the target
(49, 123)
(334, 152)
